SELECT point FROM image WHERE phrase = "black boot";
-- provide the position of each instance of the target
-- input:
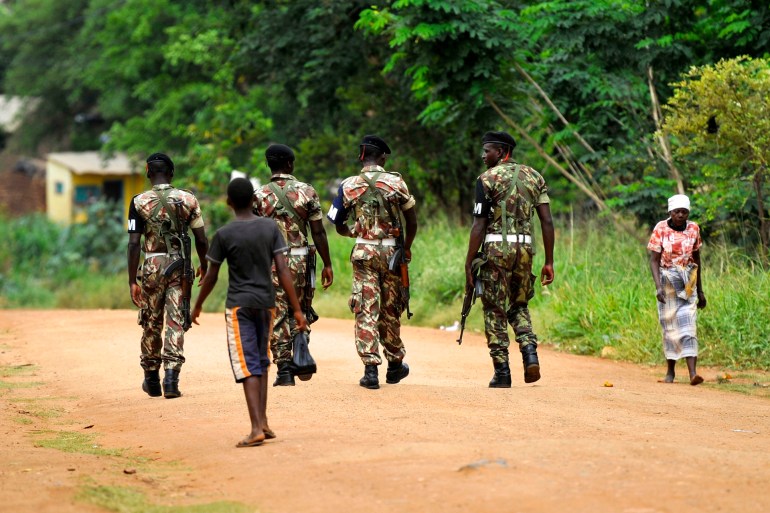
(502, 377)
(396, 372)
(171, 384)
(151, 383)
(531, 363)
(370, 379)
(284, 377)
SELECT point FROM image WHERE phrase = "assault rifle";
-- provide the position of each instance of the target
(471, 293)
(398, 264)
(185, 261)
(307, 306)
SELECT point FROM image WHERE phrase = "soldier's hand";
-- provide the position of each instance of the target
(408, 255)
(195, 314)
(468, 278)
(136, 294)
(327, 277)
(299, 317)
(546, 275)
(200, 273)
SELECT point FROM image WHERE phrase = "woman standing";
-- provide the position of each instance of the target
(676, 268)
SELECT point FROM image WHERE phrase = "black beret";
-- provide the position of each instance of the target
(161, 157)
(279, 152)
(376, 142)
(503, 138)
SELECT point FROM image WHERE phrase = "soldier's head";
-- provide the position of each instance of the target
(159, 164)
(240, 194)
(497, 147)
(279, 158)
(373, 150)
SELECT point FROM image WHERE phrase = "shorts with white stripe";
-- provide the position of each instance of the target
(248, 336)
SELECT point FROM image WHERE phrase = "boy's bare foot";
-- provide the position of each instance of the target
(696, 380)
(252, 440)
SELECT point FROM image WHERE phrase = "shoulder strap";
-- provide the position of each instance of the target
(280, 193)
(372, 182)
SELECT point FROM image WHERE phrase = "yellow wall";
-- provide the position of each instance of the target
(58, 193)
(63, 206)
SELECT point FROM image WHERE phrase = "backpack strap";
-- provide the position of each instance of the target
(177, 225)
(381, 202)
(280, 193)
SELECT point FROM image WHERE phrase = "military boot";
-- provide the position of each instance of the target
(531, 363)
(396, 372)
(502, 377)
(171, 384)
(370, 379)
(284, 377)
(151, 383)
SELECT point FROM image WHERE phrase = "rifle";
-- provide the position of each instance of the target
(307, 305)
(471, 293)
(185, 261)
(399, 265)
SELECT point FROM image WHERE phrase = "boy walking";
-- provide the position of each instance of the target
(250, 245)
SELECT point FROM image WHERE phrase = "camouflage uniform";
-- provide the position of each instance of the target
(304, 200)
(507, 275)
(376, 297)
(161, 293)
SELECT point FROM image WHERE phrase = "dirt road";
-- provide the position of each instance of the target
(439, 441)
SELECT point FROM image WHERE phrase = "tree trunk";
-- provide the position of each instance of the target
(662, 141)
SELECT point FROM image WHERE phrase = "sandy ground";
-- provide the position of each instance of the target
(439, 441)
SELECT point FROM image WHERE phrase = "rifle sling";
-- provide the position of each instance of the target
(280, 193)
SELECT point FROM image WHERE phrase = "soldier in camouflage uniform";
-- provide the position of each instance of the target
(376, 198)
(507, 197)
(293, 205)
(152, 214)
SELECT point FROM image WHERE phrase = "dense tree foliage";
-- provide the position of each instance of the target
(580, 83)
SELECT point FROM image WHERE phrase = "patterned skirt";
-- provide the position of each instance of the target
(679, 313)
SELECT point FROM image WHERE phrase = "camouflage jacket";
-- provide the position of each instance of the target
(302, 197)
(369, 221)
(494, 185)
(140, 213)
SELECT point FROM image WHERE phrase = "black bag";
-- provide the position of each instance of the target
(303, 365)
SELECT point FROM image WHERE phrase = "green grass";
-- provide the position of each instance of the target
(127, 500)
(603, 294)
(70, 441)
(7, 371)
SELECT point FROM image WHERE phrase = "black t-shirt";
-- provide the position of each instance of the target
(248, 246)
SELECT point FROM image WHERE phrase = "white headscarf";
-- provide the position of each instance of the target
(678, 201)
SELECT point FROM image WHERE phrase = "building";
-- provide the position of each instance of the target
(76, 179)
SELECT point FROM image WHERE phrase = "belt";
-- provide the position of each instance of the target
(150, 255)
(376, 242)
(298, 251)
(512, 237)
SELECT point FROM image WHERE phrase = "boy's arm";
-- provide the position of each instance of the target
(284, 278)
(206, 286)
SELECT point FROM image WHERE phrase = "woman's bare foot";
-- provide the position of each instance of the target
(695, 380)
(668, 379)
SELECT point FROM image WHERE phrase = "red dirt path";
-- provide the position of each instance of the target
(439, 441)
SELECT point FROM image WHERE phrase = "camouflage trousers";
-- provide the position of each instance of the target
(377, 304)
(161, 295)
(284, 326)
(508, 286)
